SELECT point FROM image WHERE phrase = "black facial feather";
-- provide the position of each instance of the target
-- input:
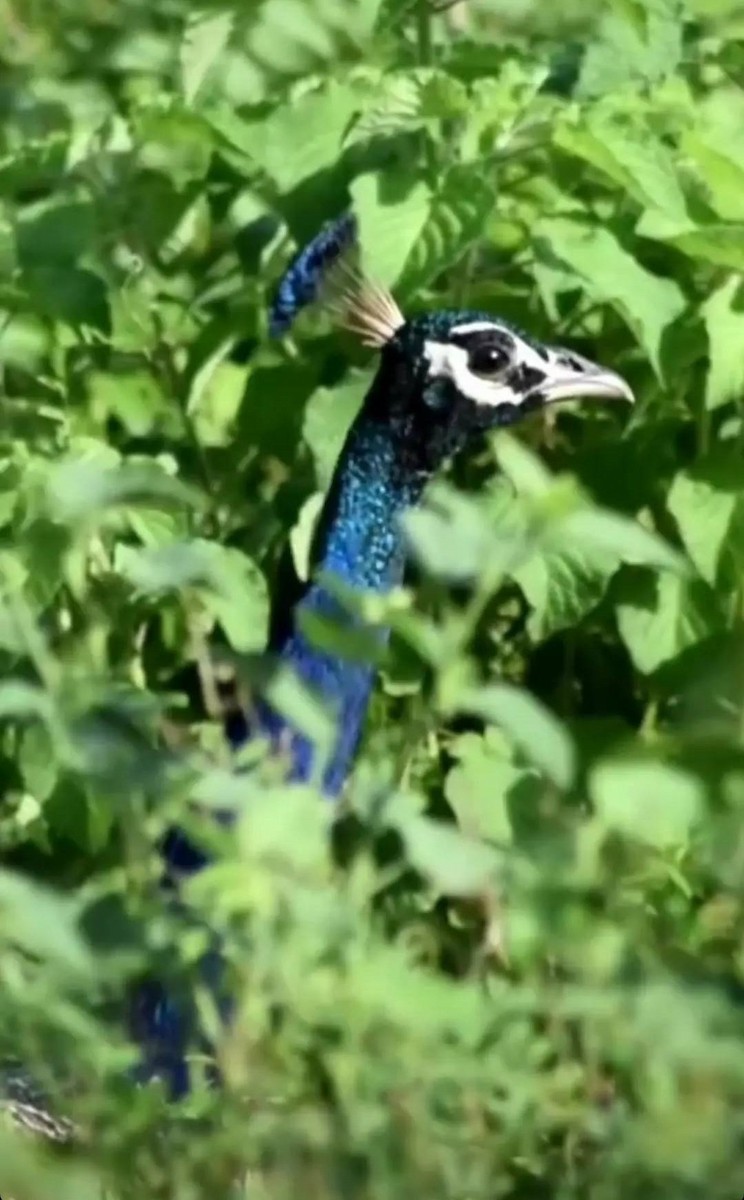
(523, 378)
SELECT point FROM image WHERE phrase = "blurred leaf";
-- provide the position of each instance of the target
(714, 243)
(455, 864)
(23, 700)
(71, 295)
(522, 467)
(82, 488)
(328, 416)
(603, 534)
(27, 1172)
(215, 390)
(450, 536)
(479, 787)
(637, 44)
(205, 37)
(41, 923)
(135, 398)
(537, 733)
(298, 139)
(291, 37)
(230, 585)
(651, 802)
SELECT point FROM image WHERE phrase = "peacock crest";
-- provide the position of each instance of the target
(328, 272)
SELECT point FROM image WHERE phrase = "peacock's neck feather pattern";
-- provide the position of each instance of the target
(360, 544)
(392, 450)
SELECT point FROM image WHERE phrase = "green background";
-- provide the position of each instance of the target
(513, 968)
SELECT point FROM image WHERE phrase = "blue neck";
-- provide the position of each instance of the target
(361, 545)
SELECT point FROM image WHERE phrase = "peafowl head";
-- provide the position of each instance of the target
(443, 375)
(473, 371)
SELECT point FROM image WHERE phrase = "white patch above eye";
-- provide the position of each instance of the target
(474, 327)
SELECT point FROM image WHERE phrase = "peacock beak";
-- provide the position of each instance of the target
(569, 377)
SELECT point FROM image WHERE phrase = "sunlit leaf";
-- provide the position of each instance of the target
(661, 616)
(650, 801)
(205, 37)
(609, 273)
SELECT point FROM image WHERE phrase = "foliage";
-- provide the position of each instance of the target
(513, 964)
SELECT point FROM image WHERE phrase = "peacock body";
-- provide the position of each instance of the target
(442, 379)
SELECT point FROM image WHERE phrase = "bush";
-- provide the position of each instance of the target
(511, 964)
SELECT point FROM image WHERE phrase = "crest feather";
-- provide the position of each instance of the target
(327, 272)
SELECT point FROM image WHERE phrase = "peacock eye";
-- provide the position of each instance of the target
(488, 361)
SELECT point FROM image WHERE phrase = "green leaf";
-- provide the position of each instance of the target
(456, 865)
(328, 417)
(135, 398)
(37, 164)
(630, 154)
(720, 171)
(407, 100)
(603, 535)
(55, 234)
(302, 709)
(269, 822)
(214, 401)
(661, 616)
(231, 587)
(704, 513)
(302, 535)
(37, 761)
(25, 1172)
(479, 787)
(633, 52)
(23, 700)
(82, 488)
(529, 476)
(292, 37)
(539, 735)
(724, 323)
(562, 587)
(205, 37)
(651, 802)
(717, 244)
(450, 536)
(298, 139)
(41, 923)
(73, 296)
(238, 598)
(392, 214)
(648, 303)
(460, 209)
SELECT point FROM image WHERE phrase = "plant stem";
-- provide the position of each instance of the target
(425, 47)
(423, 33)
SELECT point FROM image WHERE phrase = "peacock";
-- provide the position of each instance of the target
(442, 379)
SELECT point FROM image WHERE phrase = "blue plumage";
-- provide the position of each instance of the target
(306, 274)
(363, 547)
